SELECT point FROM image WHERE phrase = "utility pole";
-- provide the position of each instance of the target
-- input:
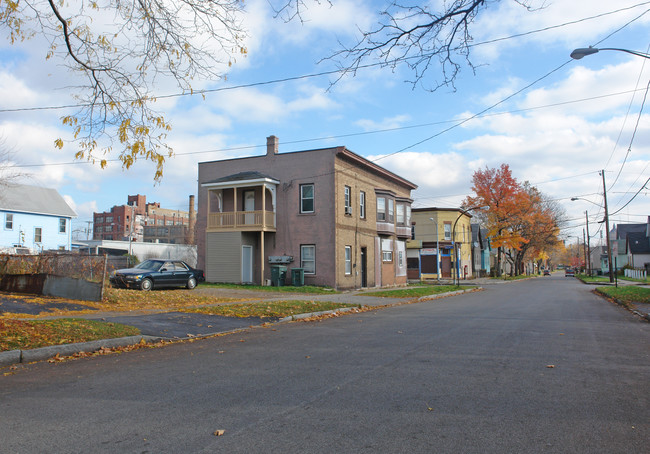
(608, 242)
(588, 242)
(584, 248)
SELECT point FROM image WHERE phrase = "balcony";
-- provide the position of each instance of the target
(250, 221)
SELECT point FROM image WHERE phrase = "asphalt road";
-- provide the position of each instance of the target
(465, 374)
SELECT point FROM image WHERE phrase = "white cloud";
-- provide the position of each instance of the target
(387, 123)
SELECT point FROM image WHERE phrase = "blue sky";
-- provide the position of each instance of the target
(556, 134)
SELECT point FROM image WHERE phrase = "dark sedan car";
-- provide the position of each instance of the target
(155, 273)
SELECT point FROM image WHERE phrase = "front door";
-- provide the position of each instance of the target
(249, 207)
(446, 266)
(364, 267)
(247, 264)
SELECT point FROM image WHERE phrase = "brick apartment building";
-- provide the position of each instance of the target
(341, 218)
(145, 222)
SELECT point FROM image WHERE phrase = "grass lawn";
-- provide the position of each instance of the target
(416, 292)
(592, 279)
(643, 281)
(266, 288)
(271, 309)
(26, 334)
(627, 295)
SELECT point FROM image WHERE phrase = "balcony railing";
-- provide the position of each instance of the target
(242, 220)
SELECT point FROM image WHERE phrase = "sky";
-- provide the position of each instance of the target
(555, 121)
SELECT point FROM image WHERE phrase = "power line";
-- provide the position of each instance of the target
(336, 71)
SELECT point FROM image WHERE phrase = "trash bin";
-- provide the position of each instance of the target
(278, 275)
(297, 277)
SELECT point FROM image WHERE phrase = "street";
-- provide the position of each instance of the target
(541, 365)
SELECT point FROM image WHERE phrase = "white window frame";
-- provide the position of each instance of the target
(362, 204)
(386, 250)
(303, 199)
(401, 214)
(447, 229)
(305, 261)
(381, 209)
(347, 202)
(40, 234)
(9, 221)
(348, 260)
(391, 210)
(62, 225)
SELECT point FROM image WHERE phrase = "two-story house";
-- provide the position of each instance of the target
(339, 217)
(441, 244)
(34, 218)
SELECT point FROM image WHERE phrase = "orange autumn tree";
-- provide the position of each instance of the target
(538, 222)
(520, 221)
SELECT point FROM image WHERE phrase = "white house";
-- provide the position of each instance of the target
(35, 218)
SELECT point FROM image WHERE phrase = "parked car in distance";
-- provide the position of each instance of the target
(155, 273)
(547, 272)
(569, 272)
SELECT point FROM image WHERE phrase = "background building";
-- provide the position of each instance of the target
(145, 222)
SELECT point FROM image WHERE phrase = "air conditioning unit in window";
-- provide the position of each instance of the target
(348, 210)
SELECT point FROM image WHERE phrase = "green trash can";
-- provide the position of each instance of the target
(298, 277)
(278, 275)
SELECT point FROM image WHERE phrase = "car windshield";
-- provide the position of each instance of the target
(150, 265)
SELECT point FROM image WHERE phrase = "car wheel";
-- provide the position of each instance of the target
(146, 284)
(191, 283)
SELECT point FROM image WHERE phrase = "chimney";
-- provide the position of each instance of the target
(192, 222)
(271, 145)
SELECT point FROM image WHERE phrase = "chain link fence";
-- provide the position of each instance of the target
(92, 268)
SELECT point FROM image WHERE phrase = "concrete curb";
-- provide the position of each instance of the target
(292, 318)
(40, 354)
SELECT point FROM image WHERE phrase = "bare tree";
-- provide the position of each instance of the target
(434, 44)
(121, 49)
(9, 174)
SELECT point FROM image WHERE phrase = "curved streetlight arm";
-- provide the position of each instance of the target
(573, 199)
(577, 54)
(453, 239)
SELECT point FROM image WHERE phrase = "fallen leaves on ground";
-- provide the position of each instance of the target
(118, 300)
(26, 334)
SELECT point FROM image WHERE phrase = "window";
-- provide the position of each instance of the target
(386, 250)
(348, 260)
(62, 225)
(109, 218)
(408, 215)
(306, 198)
(308, 258)
(348, 200)
(362, 205)
(38, 235)
(391, 210)
(99, 219)
(400, 258)
(99, 229)
(381, 209)
(447, 230)
(401, 213)
(9, 221)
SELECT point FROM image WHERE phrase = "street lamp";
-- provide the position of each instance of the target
(453, 239)
(577, 54)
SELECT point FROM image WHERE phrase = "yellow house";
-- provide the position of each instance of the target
(430, 252)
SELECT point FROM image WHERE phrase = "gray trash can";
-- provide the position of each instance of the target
(298, 277)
